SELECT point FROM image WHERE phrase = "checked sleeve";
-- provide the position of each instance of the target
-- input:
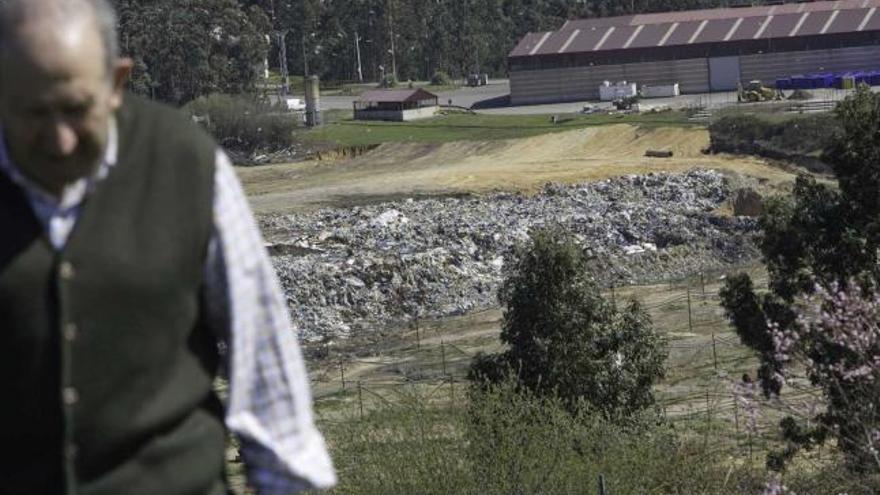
(270, 405)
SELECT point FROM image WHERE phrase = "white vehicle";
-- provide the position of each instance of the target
(588, 109)
(295, 104)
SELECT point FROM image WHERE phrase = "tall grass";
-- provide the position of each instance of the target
(507, 441)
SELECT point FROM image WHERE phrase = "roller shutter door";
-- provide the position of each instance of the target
(724, 74)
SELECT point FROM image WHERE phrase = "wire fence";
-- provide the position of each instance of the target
(705, 365)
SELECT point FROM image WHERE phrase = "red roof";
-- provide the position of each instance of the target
(396, 95)
(704, 26)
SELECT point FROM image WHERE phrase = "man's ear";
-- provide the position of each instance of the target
(121, 73)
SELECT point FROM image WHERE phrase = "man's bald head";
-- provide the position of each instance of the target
(20, 16)
(61, 81)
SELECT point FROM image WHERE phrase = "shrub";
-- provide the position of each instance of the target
(800, 94)
(245, 124)
(389, 81)
(773, 136)
(565, 339)
(505, 440)
(441, 78)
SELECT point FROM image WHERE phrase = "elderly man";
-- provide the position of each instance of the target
(131, 270)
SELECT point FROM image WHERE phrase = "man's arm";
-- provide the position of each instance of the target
(269, 406)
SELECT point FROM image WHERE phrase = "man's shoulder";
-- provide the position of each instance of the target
(165, 122)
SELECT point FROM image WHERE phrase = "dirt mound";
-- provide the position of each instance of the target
(394, 170)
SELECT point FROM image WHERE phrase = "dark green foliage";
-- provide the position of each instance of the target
(827, 236)
(441, 78)
(856, 159)
(180, 55)
(771, 135)
(183, 50)
(245, 124)
(749, 315)
(389, 82)
(566, 340)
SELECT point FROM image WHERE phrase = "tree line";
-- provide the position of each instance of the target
(184, 49)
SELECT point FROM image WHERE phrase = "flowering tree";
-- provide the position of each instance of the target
(820, 246)
(836, 339)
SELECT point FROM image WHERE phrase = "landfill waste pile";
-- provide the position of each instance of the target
(352, 270)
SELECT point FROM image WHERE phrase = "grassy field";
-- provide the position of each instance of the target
(395, 409)
(342, 131)
(398, 416)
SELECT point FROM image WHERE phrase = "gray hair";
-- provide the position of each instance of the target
(14, 12)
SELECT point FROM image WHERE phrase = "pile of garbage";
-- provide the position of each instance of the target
(350, 270)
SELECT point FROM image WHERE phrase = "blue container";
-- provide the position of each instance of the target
(784, 83)
(800, 82)
(826, 80)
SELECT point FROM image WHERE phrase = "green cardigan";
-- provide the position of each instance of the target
(106, 368)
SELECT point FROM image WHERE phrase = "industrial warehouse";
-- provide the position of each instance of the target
(701, 51)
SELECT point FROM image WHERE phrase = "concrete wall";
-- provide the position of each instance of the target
(396, 116)
(582, 83)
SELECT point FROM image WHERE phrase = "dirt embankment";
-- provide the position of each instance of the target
(397, 170)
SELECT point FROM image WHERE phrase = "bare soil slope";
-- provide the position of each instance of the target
(398, 170)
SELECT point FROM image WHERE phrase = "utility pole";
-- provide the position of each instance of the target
(282, 62)
(390, 14)
(305, 57)
(357, 49)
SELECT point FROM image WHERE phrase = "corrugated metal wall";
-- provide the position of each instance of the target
(770, 66)
(582, 83)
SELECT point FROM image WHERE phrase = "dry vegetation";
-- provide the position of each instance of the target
(396, 170)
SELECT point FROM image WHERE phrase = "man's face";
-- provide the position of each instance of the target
(56, 99)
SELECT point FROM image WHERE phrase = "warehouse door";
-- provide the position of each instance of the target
(723, 73)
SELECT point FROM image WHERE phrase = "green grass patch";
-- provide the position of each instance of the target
(343, 132)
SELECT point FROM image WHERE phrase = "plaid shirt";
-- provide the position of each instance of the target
(269, 404)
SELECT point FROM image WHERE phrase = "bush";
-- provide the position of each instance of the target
(245, 124)
(772, 136)
(800, 94)
(389, 81)
(505, 440)
(566, 340)
(441, 78)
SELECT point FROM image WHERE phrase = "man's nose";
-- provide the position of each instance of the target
(60, 139)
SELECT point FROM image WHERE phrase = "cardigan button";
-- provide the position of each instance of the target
(66, 271)
(70, 332)
(71, 451)
(70, 396)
